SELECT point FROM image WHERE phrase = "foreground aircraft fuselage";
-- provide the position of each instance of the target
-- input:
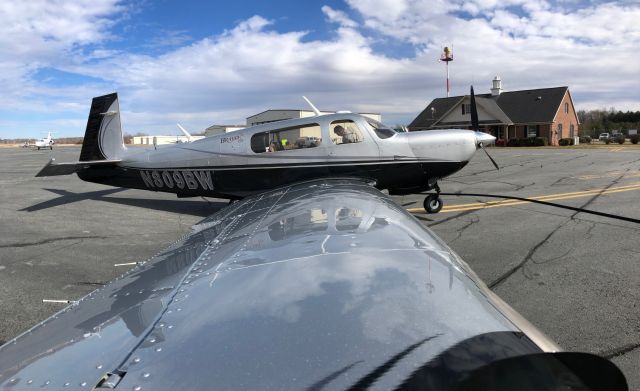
(259, 158)
(321, 285)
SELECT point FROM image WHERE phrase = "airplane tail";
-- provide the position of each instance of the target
(103, 136)
(103, 143)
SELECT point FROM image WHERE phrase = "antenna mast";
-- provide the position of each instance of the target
(447, 56)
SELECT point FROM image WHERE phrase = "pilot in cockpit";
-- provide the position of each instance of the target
(348, 136)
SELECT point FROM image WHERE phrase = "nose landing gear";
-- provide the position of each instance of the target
(432, 202)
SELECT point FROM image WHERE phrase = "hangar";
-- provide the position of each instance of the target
(282, 114)
(542, 112)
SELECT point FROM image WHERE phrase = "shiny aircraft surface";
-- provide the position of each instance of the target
(259, 158)
(320, 285)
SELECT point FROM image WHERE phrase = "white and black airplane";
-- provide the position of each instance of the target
(307, 284)
(262, 157)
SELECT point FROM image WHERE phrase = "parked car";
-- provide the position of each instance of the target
(307, 142)
(603, 136)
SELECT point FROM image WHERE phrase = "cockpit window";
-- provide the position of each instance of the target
(305, 136)
(345, 132)
(382, 130)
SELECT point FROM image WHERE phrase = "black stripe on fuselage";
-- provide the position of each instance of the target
(240, 181)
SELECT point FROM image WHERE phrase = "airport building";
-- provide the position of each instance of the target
(543, 112)
(160, 140)
(279, 115)
(257, 119)
(219, 129)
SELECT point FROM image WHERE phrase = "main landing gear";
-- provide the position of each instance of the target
(432, 202)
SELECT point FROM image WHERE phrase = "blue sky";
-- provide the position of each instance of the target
(203, 62)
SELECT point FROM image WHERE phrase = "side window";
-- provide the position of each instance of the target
(345, 132)
(299, 137)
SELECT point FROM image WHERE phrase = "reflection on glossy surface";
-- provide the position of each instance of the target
(312, 285)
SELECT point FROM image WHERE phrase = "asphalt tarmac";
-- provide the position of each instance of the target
(574, 275)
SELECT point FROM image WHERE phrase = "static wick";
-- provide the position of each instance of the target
(128, 264)
(59, 301)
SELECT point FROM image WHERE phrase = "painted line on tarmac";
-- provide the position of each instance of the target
(614, 174)
(550, 197)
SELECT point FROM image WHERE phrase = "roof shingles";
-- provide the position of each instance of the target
(521, 107)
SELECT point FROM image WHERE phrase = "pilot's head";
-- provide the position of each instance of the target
(339, 130)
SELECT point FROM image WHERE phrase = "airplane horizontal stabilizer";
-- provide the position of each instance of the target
(52, 168)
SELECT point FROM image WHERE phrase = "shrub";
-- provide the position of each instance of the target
(566, 141)
(513, 142)
(528, 142)
(588, 139)
(607, 140)
(620, 139)
(583, 140)
(540, 142)
(634, 138)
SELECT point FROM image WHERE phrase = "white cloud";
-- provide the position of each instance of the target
(37, 34)
(253, 67)
(338, 16)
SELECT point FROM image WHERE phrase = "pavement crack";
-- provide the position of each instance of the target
(619, 351)
(592, 226)
(50, 240)
(461, 230)
(516, 186)
(558, 181)
(535, 248)
(466, 212)
(597, 195)
(543, 261)
(526, 259)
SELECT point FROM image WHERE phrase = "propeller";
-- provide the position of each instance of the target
(489, 156)
(481, 137)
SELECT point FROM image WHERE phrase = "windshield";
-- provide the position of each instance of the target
(382, 130)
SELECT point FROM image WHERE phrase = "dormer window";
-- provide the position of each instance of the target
(466, 108)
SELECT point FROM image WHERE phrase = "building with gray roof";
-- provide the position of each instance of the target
(542, 112)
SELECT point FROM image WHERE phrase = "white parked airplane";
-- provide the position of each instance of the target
(45, 142)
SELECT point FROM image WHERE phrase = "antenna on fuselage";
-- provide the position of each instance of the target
(185, 132)
(315, 109)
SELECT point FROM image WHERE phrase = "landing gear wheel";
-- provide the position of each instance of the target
(432, 203)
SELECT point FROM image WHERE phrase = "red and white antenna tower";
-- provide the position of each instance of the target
(447, 56)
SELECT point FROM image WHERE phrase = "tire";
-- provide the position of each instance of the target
(51, 148)
(432, 203)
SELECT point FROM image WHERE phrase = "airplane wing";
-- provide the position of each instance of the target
(326, 284)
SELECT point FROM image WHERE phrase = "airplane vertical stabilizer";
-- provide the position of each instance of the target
(103, 136)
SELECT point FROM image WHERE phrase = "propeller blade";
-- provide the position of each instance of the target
(474, 112)
(489, 156)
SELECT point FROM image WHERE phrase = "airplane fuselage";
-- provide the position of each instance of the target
(255, 159)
